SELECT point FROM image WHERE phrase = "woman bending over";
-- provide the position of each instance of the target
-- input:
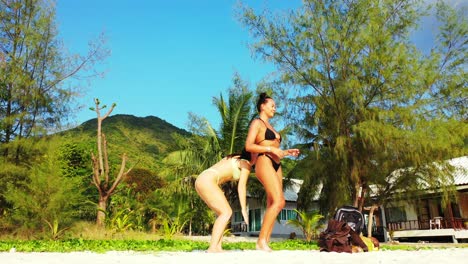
(207, 184)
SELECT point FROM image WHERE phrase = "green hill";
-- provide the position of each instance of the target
(145, 140)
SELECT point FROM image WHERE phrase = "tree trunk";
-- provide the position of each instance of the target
(371, 220)
(357, 188)
(101, 168)
(362, 198)
(101, 213)
(190, 227)
(8, 127)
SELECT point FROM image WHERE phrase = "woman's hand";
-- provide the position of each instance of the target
(278, 152)
(292, 152)
(283, 153)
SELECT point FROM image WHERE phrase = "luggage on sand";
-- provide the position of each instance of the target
(335, 238)
(352, 216)
(343, 231)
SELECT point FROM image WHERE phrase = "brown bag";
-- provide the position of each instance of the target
(336, 237)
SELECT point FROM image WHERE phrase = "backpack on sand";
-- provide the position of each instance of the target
(352, 216)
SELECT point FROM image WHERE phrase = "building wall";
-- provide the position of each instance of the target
(281, 228)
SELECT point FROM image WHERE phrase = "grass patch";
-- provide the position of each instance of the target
(70, 245)
(415, 246)
(175, 244)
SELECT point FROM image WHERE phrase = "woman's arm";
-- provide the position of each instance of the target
(251, 147)
(242, 189)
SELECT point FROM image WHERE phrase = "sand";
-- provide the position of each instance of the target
(439, 256)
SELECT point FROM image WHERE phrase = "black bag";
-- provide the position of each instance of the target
(352, 217)
(336, 237)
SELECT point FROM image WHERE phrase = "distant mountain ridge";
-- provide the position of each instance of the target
(145, 140)
(151, 122)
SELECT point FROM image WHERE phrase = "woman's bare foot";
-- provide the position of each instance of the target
(262, 245)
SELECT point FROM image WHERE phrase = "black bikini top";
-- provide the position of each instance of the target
(269, 134)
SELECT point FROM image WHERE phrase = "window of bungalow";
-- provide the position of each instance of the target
(238, 217)
(255, 221)
(287, 214)
(396, 214)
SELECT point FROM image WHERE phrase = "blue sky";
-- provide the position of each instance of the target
(168, 57)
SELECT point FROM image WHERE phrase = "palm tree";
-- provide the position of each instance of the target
(207, 146)
(308, 222)
(235, 115)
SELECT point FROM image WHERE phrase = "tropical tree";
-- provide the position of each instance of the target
(308, 222)
(235, 116)
(46, 199)
(362, 96)
(34, 70)
(106, 186)
(207, 146)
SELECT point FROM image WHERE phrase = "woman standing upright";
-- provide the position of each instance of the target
(262, 138)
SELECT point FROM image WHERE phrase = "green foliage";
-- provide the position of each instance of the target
(120, 220)
(206, 147)
(178, 216)
(157, 245)
(452, 37)
(33, 96)
(174, 218)
(45, 198)
(170, 209)
(146, 140)
(363, 96)
(172, 226)
(10, 174)
(308, 222)
(125, 212)
(143, 182)
(73, 245)
(55, 231)
(209, 145)
(75, 160)
(235, 115)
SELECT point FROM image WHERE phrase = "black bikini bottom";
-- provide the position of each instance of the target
(276, 166)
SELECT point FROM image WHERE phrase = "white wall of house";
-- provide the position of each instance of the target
(281, 227)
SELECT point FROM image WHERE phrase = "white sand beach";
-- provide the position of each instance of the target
(450, 255)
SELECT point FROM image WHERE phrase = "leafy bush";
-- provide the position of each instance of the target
(45, 200)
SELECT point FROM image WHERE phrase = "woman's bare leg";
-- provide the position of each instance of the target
(275, 200)
(214, 197)
(279, 175)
